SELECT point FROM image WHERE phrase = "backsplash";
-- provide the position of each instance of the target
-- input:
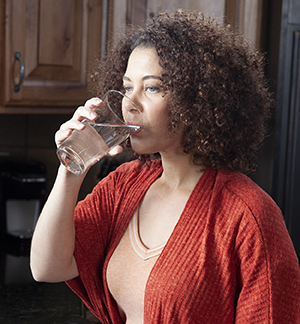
(31, 137)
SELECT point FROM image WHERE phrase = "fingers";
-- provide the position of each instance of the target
(66, 130)
(83, 112)
(88, 110)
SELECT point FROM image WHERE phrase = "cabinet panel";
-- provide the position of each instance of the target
(56, 39)
(65, 34)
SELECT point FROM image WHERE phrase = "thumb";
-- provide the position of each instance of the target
(116, 150)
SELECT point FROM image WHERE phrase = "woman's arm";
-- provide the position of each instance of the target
(53, 241)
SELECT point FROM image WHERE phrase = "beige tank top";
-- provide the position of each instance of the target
(128, 271)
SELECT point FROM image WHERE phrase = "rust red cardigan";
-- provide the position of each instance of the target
(229, 259)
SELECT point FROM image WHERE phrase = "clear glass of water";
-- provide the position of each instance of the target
(118, 118)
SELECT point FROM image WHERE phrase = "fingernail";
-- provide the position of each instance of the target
(93, 115)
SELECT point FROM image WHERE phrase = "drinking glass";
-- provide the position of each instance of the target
(118, 118)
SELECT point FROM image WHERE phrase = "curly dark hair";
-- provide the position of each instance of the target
(216, 84)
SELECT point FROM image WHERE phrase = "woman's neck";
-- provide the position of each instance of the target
(179, 172)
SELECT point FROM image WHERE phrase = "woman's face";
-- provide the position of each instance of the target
(142, 84)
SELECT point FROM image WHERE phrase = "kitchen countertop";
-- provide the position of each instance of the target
(40, 303)
(24, 301)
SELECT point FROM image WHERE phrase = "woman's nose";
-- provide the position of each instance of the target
(131, 111)
(131, 104)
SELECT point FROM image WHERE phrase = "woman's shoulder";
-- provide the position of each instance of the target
(250, 206)
(243, 187)
(238, 190)
(250, 211)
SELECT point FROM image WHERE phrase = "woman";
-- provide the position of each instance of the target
(184, 237)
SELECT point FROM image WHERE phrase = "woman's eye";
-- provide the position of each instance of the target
(127, 89)
(152, 89)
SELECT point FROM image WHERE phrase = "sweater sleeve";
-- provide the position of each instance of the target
(268, 275)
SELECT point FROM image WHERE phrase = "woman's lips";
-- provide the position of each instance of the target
(137, 131)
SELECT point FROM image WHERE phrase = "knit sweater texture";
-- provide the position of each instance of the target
(229, 259)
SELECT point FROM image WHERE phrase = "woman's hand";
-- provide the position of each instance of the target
(83, 112)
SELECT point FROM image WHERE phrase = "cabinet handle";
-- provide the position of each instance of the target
(22, 71)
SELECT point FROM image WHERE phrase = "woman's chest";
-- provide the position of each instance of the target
(128, 271)
(158, 214)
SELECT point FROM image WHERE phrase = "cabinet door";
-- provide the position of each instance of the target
(56, 39)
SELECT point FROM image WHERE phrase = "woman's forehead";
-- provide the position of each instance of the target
(143, 60)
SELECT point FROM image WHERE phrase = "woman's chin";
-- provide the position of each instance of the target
(141, 151)
(139, 147)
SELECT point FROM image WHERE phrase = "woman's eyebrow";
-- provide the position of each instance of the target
(146, 77)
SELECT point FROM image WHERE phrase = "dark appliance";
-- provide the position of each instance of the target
(22, 193)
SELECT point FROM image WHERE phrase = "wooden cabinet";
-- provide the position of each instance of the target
(56, 41)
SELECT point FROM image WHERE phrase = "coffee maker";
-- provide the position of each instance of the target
(22, 193)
